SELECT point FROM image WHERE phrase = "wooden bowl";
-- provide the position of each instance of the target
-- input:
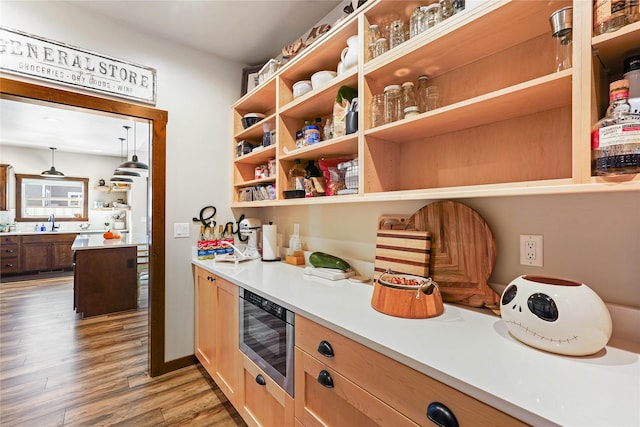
(419, 301)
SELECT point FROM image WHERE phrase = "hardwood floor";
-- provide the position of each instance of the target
(58, 370)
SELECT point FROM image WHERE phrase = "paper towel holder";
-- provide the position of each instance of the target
(264, 259)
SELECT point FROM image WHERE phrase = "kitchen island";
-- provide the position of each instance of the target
(465, 349)
(105, 273)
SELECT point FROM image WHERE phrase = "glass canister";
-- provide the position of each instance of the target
(432, 15)
(447, 8)
(416, 22)
(393, 109)
(408, 95)
(396, 33)
(374, 33)
(382, 46)
(377, 110)
(421, 93)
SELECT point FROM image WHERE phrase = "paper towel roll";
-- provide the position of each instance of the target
(269, 242)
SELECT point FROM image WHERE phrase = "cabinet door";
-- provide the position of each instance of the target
(36, 256)
(326, 398)
(264, 403)
(61, 254)
(227, 349)
(204, 309)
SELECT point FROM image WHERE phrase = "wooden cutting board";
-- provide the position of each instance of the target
(463, 252)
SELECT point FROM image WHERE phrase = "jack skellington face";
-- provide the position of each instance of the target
(556, 315)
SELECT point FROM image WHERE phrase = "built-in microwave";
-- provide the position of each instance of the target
(266, 337)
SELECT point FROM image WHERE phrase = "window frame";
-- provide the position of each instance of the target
(85, 204)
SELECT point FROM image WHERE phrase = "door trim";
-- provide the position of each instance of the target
(25, 90)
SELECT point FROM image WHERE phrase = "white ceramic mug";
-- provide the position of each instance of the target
(341, 68)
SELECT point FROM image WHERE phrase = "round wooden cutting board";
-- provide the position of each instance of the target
(463, 252)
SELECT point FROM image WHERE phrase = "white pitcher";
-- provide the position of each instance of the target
(349, 54)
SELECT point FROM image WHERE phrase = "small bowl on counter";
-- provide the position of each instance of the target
(251, 119)
(321, 78)
(302, 87)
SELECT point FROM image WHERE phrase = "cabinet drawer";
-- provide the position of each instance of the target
(9, 251)
(342, 404)
(50, 238)
(403, 388)
(9, 239)
(264, 403)
(10, 266)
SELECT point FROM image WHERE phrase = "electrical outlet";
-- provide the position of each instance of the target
(531, 250)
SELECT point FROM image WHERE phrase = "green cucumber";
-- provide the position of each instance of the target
(320, 259)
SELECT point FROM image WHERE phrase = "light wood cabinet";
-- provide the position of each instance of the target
(205, 306)
(217, 331)
(46, 252)
(227, 326)
(264, 403)
(507, 123)
(396, 388)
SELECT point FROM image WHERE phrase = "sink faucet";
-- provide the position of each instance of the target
(52, 218)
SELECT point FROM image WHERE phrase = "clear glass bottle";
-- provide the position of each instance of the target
(421, 93)
(393, 103)
(615, 140)
(609, 15)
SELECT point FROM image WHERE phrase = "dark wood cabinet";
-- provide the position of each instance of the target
(9, 255)
(4, 187)
(105, 280)
(47, 252)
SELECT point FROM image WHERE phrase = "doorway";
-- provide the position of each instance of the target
(29, 92)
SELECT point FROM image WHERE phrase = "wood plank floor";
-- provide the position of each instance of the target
(58, 370)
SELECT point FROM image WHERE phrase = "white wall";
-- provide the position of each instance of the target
(197, 90)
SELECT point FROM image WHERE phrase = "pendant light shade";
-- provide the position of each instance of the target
(134, 163)
(123, 173)
(121, 179)
(52, 173)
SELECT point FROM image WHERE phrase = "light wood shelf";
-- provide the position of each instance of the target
(507, 125)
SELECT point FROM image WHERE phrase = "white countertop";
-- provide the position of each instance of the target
(466, 349)
(96, 241)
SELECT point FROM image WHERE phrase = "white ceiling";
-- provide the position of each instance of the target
(249, 32)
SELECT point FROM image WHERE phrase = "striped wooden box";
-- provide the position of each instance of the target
(403, 251)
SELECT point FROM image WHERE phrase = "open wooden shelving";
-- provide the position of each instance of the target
(507, 123)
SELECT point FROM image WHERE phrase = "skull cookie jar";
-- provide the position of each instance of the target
(557, 315)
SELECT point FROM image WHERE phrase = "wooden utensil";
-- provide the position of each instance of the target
(463, 252)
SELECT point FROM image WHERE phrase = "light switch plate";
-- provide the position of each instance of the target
(180, 229)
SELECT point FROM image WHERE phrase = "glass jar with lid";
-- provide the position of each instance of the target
(421, 93)
(416, 22)
(396, 33)
(393, 109)
(432, 15)
(408, 95)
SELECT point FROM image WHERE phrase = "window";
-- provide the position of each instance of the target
(38, 198)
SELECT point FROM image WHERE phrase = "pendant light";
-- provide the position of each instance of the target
(134, 163)
(52, 173)
(123, 173)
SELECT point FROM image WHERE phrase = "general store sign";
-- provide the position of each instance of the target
(37, 57)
